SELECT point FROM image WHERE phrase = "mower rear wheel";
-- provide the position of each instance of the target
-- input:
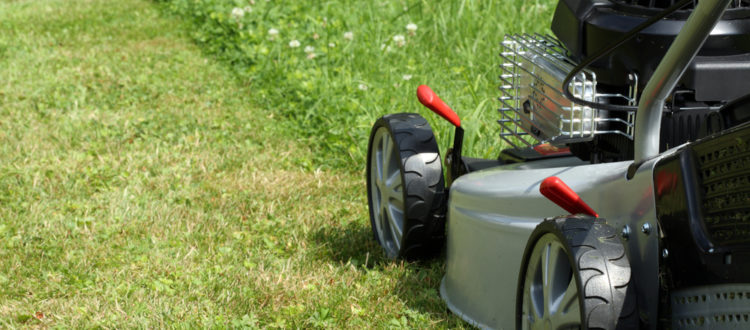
(575, 275)
(405, 187)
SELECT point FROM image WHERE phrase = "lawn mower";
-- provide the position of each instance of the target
(623, 198)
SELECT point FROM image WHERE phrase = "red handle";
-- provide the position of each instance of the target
(429, 99)
(557, 191)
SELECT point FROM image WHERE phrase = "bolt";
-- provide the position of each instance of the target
(646, 228)
(665, 253)
(625, 232)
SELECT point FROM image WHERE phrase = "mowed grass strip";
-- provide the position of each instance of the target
(139, 187)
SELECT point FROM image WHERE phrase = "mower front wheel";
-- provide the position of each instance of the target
(405, 187)
(575, 275)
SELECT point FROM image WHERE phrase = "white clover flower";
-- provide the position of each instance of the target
(238, 13)
(309, 49)
(412, 28)
(273, 32)
(362, 87)
(294, 44)
(406, 77)
(349, 35)
(331, 45)
(400, 40)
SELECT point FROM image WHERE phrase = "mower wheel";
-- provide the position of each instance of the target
(575, 275)
(405, 187)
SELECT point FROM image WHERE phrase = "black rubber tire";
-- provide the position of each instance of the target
(600, 267)
(423, 186)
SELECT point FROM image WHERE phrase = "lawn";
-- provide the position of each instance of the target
(344, 63)
(170, 164)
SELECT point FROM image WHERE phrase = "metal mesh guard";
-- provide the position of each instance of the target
(534, 108)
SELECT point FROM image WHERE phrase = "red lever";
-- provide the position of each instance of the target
(433, 102)
(557, 191)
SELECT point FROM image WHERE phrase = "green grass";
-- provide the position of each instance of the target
(145, 184)
(454, 50)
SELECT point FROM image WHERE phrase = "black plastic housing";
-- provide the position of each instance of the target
(717, 74)
(701, 195)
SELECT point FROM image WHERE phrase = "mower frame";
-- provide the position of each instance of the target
(491, 213)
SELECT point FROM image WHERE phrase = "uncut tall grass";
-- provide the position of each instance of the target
(330, 96)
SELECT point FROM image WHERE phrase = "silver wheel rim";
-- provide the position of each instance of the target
(550, 292)
(387, 192)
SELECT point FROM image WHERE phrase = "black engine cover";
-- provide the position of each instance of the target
(717, 74)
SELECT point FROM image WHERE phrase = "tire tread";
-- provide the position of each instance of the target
(597, 249)
(423, 182)
(603, 270)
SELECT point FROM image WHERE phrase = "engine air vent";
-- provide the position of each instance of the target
(724, 169)
(712, 306)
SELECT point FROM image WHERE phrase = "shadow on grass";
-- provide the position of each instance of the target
(351, 243)
(418, 282)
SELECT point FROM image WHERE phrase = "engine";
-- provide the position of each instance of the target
(534, 108)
